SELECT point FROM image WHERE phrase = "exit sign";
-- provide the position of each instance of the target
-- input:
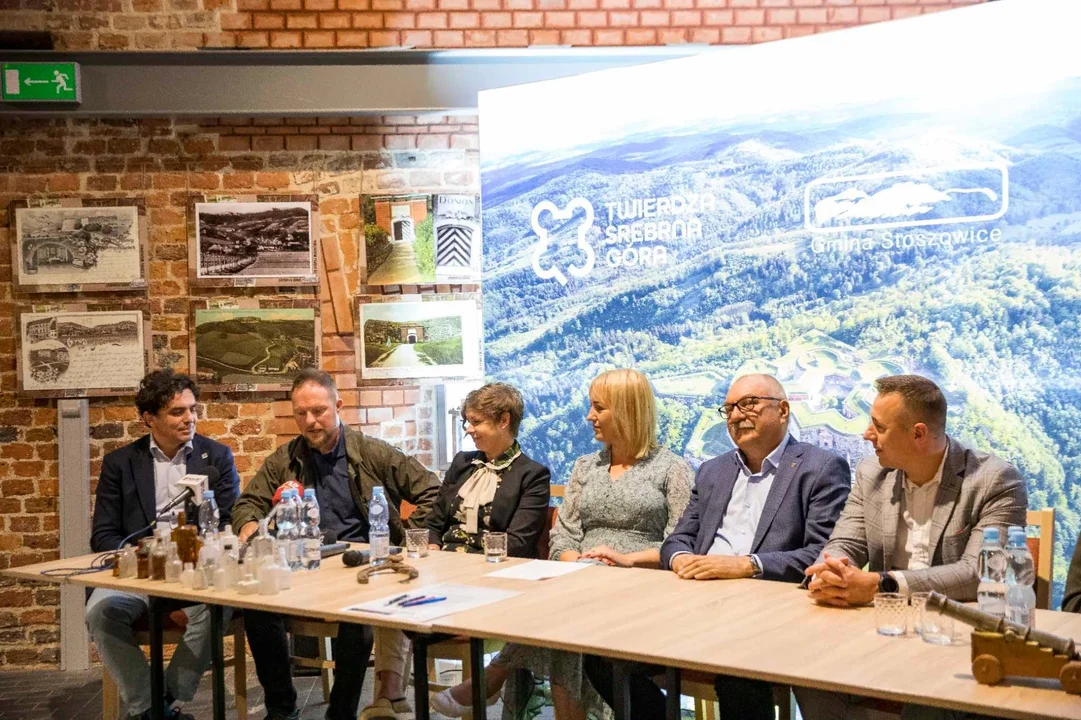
(41, 82)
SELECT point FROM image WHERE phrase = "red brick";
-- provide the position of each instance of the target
(285, 39)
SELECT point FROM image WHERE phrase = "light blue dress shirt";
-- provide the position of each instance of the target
(740, 523)
(168, 472)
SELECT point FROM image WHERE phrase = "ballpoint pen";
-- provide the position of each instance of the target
(424, 601)
(397, 599)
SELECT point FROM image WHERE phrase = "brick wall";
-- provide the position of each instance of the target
(164, 161)
(188, 24)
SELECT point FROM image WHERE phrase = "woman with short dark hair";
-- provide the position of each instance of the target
(496, 488)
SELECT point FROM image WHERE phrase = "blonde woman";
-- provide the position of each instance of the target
(627, 496)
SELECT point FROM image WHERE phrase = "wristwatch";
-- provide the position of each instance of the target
(756, 565)
(887, 583)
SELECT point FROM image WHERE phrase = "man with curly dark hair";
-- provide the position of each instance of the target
(136, 482)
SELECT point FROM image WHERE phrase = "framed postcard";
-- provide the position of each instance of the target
(422, 337)
(79, 245)
(257, 240)
(250, 345)
(421, 239)
(80, 351)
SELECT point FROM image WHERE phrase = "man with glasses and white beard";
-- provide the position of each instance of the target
(763, 510)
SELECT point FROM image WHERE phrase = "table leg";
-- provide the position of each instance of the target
(420, 678)
(420, 672)
(157, 659)
(622, 690)
(672, 689)
(217, 660)
(476, 671)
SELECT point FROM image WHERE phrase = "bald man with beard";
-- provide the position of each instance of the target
(764, 510)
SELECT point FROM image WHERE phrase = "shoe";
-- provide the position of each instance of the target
(444, 704)
(387, 709)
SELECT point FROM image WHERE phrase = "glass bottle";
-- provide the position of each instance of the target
(142, 559)
(173, 566)
(158, 557)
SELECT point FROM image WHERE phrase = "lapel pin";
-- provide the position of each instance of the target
(793, 464)
(205, 456)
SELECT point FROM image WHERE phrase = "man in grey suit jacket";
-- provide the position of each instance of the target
(915, 516)
(763, 510)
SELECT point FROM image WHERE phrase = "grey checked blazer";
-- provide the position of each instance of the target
(977, 490)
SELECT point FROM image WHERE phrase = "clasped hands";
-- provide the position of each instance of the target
(835, 581)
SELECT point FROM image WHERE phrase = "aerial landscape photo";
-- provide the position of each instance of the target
(253, 346)
(828, 247)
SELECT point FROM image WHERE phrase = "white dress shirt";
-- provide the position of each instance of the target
(168, 473)
(740, 522)
(913, 550)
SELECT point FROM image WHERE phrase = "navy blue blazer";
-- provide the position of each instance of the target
(806, 498)
(125, 497)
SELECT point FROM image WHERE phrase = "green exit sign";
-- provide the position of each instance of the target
(41, 82)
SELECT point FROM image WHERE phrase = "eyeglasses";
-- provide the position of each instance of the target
(747, 405)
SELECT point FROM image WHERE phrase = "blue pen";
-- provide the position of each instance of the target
(425, 601)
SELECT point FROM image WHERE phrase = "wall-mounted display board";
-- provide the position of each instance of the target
(253, 241)
(81, 350)
(422, 238)
(252, 345)
(418, 336)
(824, 220)
(79, 245)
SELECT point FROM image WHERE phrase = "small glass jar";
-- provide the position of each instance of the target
(142, 559)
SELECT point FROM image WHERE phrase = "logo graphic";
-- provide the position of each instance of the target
(933, 196)
(541, 247)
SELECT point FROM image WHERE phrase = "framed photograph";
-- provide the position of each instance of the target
(249, 346)
(79, 351)
(79, 245)
(257, 240)
(421, 239)
(421, 337)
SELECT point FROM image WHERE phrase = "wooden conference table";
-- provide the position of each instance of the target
(747, 628)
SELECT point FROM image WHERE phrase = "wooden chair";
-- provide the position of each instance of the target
(457, 649)
(1043, 552)
(110, 694)
(323, 632)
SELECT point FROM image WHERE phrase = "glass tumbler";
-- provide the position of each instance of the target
(416, 543)
(495, 547)
(891, 613)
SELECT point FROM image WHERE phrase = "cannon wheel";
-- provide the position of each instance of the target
(987, 669)
(1070, 677)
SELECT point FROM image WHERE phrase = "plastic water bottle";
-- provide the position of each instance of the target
(288, 532)
(1020, 574)
(991, 593)
(209, 518)
(311, 538)
(379, 526)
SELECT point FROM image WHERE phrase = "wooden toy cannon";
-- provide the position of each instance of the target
(1001, 648)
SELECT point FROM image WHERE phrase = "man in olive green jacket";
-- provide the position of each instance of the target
(342, 466)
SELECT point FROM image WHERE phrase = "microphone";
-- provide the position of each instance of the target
(355, 558)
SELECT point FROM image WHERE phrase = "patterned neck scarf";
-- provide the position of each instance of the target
(479, 489)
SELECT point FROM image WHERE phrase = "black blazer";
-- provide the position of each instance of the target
(125, 497)
(520, 506)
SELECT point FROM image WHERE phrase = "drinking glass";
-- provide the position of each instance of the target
(917, 602)
(937, 628)
(495, 547)
(416, 543)
(891, 613)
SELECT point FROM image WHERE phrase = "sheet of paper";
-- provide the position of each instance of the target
(458, 598)
(538, 570)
